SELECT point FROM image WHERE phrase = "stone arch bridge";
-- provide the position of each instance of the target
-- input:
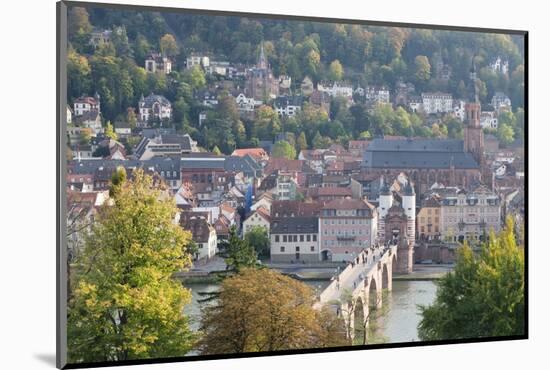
(357, 290)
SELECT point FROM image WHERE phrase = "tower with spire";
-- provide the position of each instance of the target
(262, 61)
(260, 83)
(473, 133)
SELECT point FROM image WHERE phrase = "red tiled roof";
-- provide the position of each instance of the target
(283, 164)
(261, 211)
(256, 153)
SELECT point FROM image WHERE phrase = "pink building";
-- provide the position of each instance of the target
(346, 227)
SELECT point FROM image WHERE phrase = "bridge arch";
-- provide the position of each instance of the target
(374, 295)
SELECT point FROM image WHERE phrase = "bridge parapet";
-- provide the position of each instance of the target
(356, 272)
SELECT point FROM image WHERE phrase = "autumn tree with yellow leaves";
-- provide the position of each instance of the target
(125, 304)
(263, 310)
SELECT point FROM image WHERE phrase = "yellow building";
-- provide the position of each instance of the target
(428, 219)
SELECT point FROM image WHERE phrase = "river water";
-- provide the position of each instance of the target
(398, 324)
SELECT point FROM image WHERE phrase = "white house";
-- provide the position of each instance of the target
(295, 239)
(501, 102)
(488, 120)
(265, 201)
(459, 109)
(154, 107)
(260, 217)
(377, 94)
(156, 62)
(288, 105)
(204, 236)
(437, 102)
(336, 88)
(499, 65)
(69, 115)
(245, 104)
(415, 104)
(197, 60)
(86, 104)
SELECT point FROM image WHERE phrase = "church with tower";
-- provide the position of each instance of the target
(426, 161)
(261, 84)
(473, 132)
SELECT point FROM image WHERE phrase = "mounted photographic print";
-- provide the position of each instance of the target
(235, 184)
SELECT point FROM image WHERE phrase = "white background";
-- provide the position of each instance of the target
(27, 182)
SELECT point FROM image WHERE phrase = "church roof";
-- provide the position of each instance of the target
(416, 145)
(416, 159)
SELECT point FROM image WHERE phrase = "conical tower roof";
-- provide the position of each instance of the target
(262, 60)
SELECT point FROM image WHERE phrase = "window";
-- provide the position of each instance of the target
(301, 238)
(295, 238)
(284, 238)
(308, 238)
(314, 237)
(297, 249)
(282, 249)
(312, 248)
(276, 238)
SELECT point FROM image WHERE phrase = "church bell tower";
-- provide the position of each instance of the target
(473, 133)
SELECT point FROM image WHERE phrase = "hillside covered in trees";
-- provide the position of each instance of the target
(360, 54)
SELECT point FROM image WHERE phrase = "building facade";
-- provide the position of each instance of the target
(154, 107)
(434, 103)
(156, 62)
(346, 226)
(428, 219)
(469, 215)
(86, 104)
(295, 239)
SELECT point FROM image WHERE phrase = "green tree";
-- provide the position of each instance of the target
(78, 74)
(168, 45)
(365, 135)
(125, 303)
(78, 21)
(336, 71)
(239, 253)
(216, 150)
(110, 131)
(422, 68)
(117, 180)
(267, 123)
(282, 149)
(195, 77)
(505, 134)
(263, 310)
(131, 117)
(85, 135)
(301, 143)
(257, 237)
(119, 38)
(483, 296)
